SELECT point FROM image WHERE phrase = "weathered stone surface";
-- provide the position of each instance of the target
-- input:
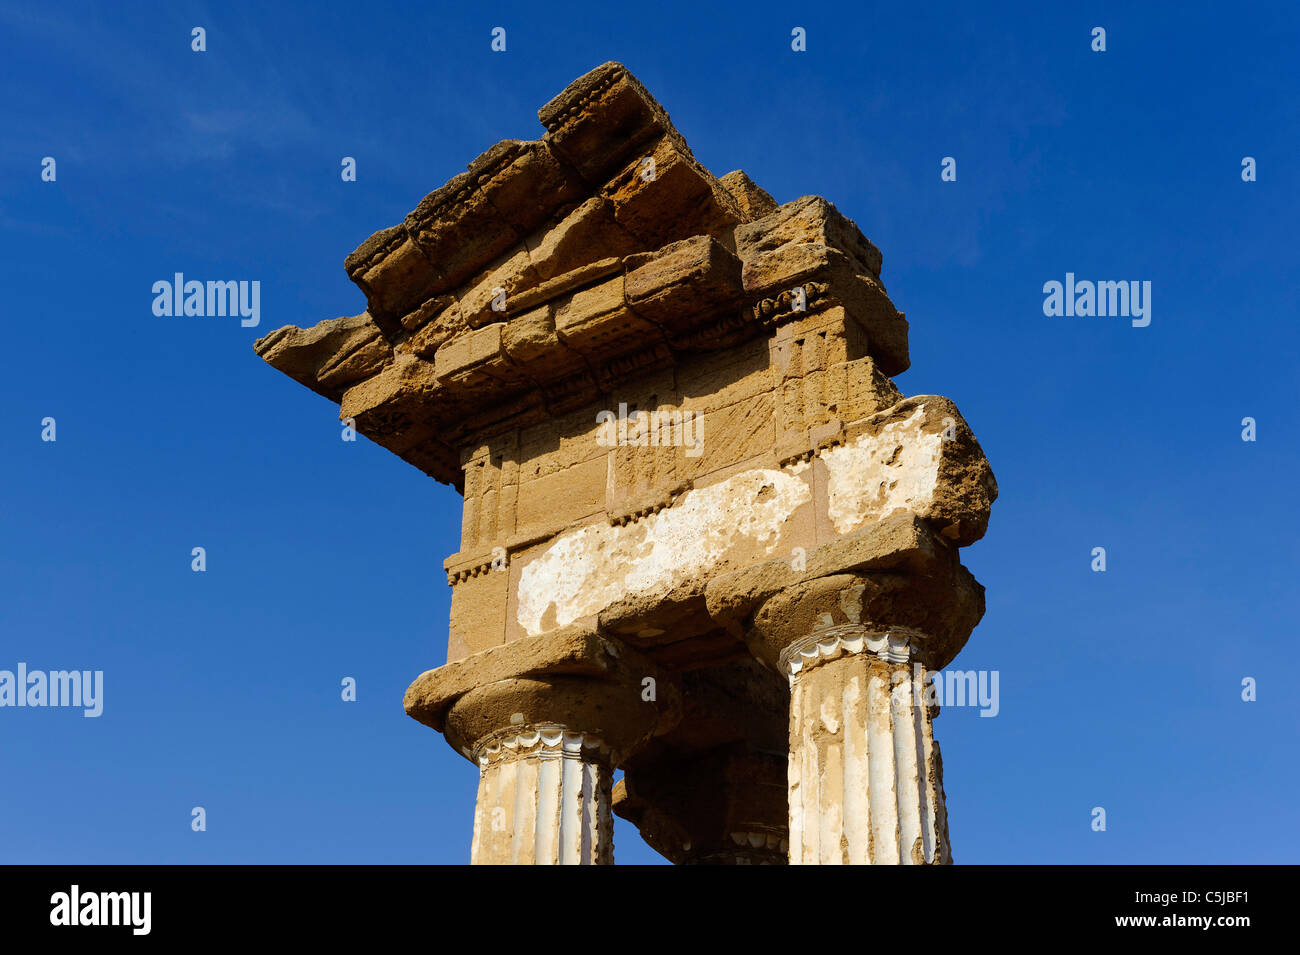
(857, 388)
(611, 710)
(468, 351)
(459, 230)
(569, 243)
(577, 651)
(431, 308)
(389, 408)
(900, 544)
(478, 605)
(524, 182)
(920, 457)
(828, 277)
(562, 498)
(752, 199)
(530, 337)
(596, 319)
(330, 355)
(665, 195)
(399, 382)
(553, 289)
(506, 193)
(488, 299)
(601, 118)
(543, 797)
(940, 609)
(865, 774)
(691, 277)
(712, 790)
(395, 275)
(726, 807)
(789, 265)
(865, 300)
(347, 367)
(534, 234)
(692, 496)
(744, 518)
(443, 322)
(810, 220)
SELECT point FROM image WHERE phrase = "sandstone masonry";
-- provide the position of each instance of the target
(733, 620)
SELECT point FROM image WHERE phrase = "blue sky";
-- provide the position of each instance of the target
(1119, 689)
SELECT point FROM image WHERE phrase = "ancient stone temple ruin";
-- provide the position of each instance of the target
(706, 540)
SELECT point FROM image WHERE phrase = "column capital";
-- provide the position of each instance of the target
(928, 617)
(891, 644)
(553, 716)
(574, 678)
(543, 741)
(546, 747)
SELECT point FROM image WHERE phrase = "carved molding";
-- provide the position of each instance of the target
(579, 104)
(539, 741)
(778, 309)
(892, 644)
(463, 574)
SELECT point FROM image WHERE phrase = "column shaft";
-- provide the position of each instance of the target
(865, 774)
(543, 799)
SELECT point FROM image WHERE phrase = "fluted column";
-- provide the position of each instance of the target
(543, 799)
(865, 774)
(865, 778)
(546, 748)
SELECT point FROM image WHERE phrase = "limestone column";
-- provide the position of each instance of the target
(865, 774)
(543, 798)
(546, 749)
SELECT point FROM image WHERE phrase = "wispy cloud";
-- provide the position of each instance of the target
(118, 95)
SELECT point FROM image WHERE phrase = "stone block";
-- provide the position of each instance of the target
(585, 234)
(464, 352)
(459, 230)
(563, 497)
(478, 614)
(684, 281)
(329, 356)
(808, 220)
(597, 322)
(488, 299)
(395, 276)
(918, 456)
(753, 200)
(663, 195)
(600, 118)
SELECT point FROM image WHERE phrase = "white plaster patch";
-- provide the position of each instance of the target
(876, 475)
(588, 569)
(830, 718)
